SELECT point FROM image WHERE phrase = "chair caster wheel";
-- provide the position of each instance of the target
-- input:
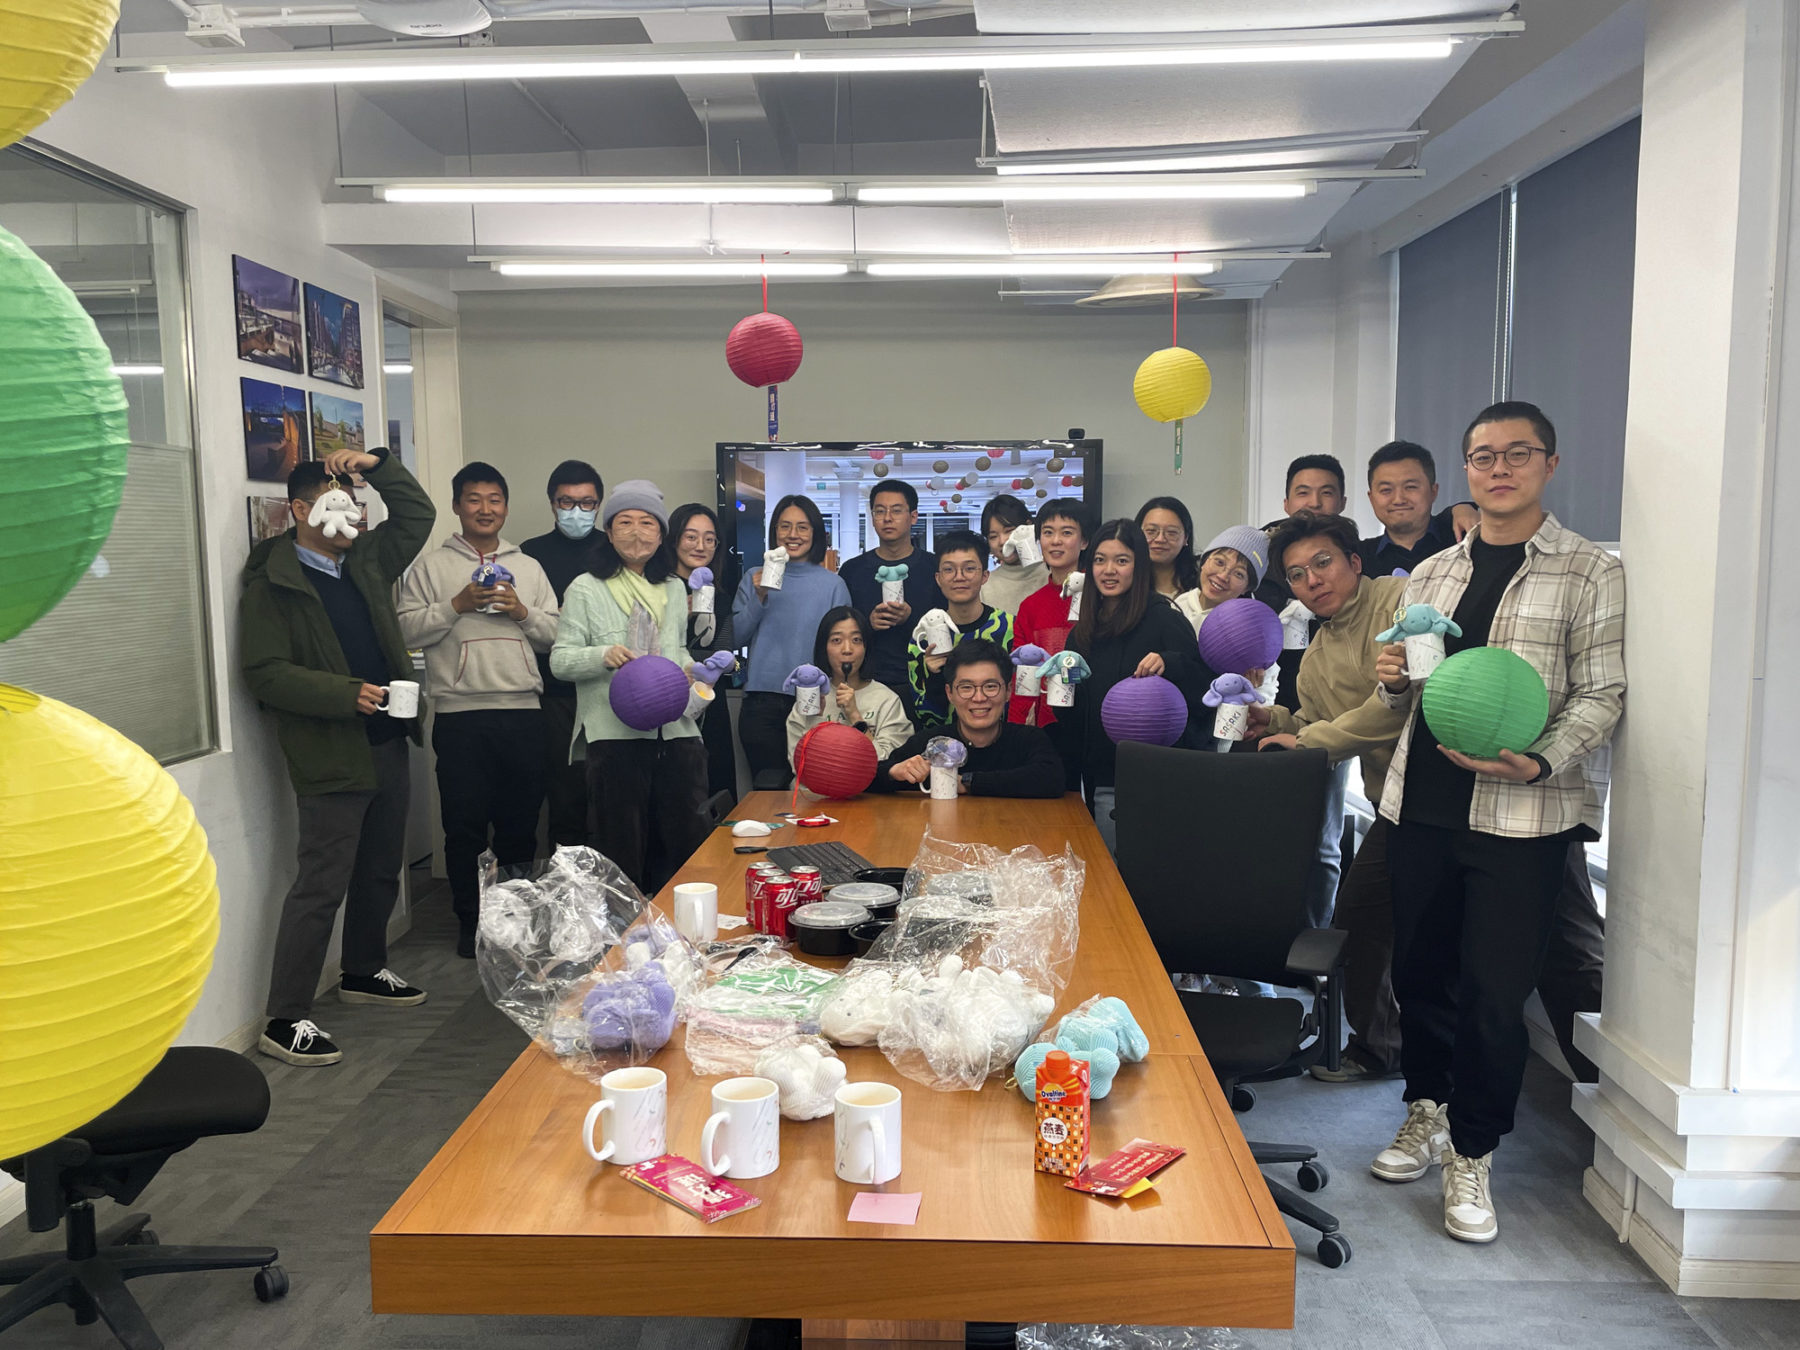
(271, 1283)
(145, 1237)
(1242, 1098)
(1314, 1176)
(1334, 1250)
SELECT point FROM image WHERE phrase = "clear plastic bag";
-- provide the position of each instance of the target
(1116, 1336)
(955, 1029)
(763, 998)
(575, 956)
(807, 1071)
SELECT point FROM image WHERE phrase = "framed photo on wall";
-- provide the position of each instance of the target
(275, 430)
(269, 518)
(337, 424)
(268, 315)
(333, 337)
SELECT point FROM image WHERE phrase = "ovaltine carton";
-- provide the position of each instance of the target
(1062, 1114)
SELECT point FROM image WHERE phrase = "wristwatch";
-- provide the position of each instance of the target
(861, 726)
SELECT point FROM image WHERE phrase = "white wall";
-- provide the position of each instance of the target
(635, 381)
(254, 169)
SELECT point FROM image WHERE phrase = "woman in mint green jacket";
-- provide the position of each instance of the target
(646, 789)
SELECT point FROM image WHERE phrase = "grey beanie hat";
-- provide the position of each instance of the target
(1249, 541)
(634, 494)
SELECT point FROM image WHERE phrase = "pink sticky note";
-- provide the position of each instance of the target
(873, 1207)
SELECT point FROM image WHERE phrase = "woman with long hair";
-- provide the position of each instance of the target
(694, 540)
(780, 624)
(646, 789)
(839, 649)
(1126, 630)
(1169, 534)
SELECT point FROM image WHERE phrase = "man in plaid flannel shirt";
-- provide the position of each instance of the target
(1477, 847)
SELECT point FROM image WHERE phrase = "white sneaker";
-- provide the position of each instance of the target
(1423, 1140)
(1468, 1204)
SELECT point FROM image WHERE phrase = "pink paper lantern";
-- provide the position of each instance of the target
(1150, 710)
(1240, 636)
(648, 692)
(763, 349)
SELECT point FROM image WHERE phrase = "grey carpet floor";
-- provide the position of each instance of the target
(342, 1143)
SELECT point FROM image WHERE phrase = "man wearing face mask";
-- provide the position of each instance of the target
(563, 552)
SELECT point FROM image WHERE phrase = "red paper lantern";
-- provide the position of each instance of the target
(1017, 483)
(834, 760)
(1068, 480)
(943, 505)
(763, 349)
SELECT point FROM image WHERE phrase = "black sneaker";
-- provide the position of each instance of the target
(301, 1043)
(465, 943)
(383, 987)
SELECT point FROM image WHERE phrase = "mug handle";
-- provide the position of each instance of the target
(717, 1166)
(877, 1147)
(385, 697)
(587, 1132)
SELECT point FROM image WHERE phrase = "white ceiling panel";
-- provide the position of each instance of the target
(1176, 226)
(1104, 109)
(1204, 16)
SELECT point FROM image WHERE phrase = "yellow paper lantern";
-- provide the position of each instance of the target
(1172, 384)
(109, 910)
(47, 49)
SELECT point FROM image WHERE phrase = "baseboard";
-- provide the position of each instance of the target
(1688, 1277)
(243, 1041)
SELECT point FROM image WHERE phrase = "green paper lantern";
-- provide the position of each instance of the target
(1485, 700)
(63, 439)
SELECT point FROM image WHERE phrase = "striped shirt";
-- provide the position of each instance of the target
(1564, 612)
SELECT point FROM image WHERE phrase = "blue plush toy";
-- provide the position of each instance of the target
(1104, 1023)
(1103, 1067)
(1417, 621)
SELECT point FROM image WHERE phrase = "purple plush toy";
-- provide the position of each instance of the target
(634, 1011)
(490, 574)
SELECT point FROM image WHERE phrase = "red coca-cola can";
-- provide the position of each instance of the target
(754, 909)
(811, 881)
(781, 897)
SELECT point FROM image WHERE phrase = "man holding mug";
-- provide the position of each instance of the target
(319, 643)
(1003, 759)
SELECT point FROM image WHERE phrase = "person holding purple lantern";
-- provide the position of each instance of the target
(646, 784)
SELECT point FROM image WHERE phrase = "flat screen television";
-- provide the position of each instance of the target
(954, 480)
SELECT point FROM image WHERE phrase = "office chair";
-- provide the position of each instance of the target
(193, 1092)
(1216, 851)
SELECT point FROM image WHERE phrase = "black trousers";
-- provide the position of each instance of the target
(1472, 918)
(647, 805)
(490, 775)
(1569, 983)
(565, 784)
(721, 750)
(762, 727)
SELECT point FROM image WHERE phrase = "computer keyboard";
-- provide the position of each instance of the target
(836, 862)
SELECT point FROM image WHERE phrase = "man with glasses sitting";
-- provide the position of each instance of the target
(1005, 759)
(1477, 847)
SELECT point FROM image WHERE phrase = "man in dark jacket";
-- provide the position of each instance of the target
(319, 643)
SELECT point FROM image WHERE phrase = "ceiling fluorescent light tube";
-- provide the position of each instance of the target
(721, 193)
(718, 270)
(1175, 164)
(987, 191)
(133, 369)
(499, 63)
(1072, 267)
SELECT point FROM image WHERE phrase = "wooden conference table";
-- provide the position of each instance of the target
(512, 1216)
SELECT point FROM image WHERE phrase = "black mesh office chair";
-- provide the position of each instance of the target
(193, 1092)
(1216, 851)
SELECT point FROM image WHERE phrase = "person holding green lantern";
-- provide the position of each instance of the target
(1491, 782)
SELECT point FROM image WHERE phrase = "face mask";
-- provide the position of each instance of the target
(575, 523)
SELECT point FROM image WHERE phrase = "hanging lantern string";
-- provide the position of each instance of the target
(1174, 304)
(765, 278)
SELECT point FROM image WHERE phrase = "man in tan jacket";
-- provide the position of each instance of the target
(1341, 713)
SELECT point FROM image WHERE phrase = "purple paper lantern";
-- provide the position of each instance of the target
(648, 692)
(1148, 709)
(1240, 636)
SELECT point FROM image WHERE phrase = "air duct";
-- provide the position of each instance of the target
(427, 18)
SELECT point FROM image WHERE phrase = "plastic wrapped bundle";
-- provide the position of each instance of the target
(962, 1025)
(762, 999)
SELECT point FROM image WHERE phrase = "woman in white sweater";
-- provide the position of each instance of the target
(852, 699)
(646, 789)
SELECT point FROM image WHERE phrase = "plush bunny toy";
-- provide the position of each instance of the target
(336, 513)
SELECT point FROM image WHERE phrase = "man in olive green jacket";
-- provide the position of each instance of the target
(319, 644)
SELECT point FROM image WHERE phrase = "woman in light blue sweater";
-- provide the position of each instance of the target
(646, 789)
(780, 626)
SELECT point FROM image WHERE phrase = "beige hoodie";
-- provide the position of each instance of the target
(475, 661)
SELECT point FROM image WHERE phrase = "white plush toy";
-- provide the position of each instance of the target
(807, 1073)
(337, 514)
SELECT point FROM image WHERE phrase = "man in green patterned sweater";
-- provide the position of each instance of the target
(961, 568)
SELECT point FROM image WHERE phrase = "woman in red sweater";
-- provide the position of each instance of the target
(1064, 526)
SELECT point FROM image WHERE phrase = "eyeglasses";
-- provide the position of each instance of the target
(987, 689)
(968, 571)
(707, 540)
(1517, 457)
(577, 504)
(890, 512)
(1320, 565)
(1174, 532)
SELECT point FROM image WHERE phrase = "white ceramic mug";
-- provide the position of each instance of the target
(700, 695)
(697, 911)
(749, 1111)
(1232, 722)
(774, 567)
(808, 701)
(943, 785)
(1058, 692)
(893, 592)
(1026, 681)
(1072, 589)
(936, 633)
(402, 699)
(866, 1117)
(637, 1102)
(703, 601)
(1023, 544)
(1424, 654)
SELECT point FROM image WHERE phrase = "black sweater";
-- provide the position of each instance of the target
(1164, 630)
(563, 559)
(1021, 763)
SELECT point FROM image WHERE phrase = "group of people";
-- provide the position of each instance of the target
(1468, 891)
